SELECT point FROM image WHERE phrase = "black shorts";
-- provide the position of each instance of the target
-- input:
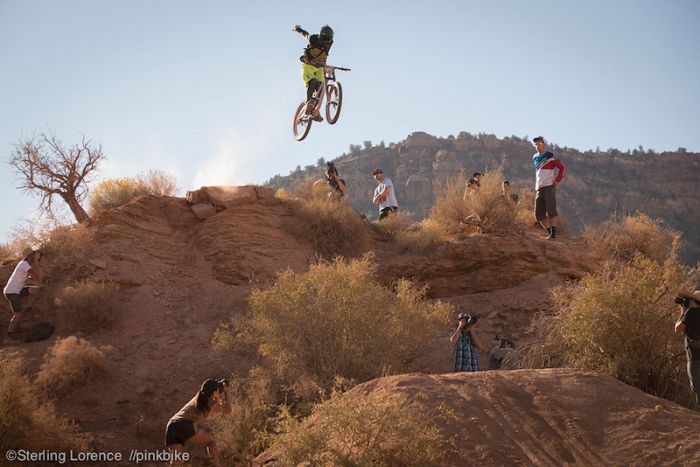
(179, 431)
(15, 300)
(386, 211)
(545, 202)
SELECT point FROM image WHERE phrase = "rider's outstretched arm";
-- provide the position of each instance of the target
(298, 29)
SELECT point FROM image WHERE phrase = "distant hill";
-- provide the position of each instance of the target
(598, 183)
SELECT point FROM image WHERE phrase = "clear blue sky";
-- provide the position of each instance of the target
(206, 90)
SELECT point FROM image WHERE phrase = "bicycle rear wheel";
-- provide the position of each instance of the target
(334, 101)
(302, 122)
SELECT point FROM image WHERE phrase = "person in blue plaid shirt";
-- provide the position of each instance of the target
(467, 344)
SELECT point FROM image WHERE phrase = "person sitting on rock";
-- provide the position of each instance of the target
(16, 288)
(467, 343)
(471, 190)
(502, 355)
(510, 198)
(183, 427)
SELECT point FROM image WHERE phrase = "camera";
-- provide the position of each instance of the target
(467, 318)
(682, 301)
(331, 168)
(222, 383)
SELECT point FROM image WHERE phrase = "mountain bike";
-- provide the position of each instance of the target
(332, 91)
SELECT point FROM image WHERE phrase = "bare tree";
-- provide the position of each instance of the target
(44, 165)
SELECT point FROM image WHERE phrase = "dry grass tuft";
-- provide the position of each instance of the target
(485, 211)
(88, 306)
(621, 238)
(26, 421)
(116, 192)
(396, 225)
(362, 429)
(71, 362)
(330, 223)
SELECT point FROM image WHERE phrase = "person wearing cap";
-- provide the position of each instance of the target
(689, 324)
(384, 195)
(476, 176)
(16, 288)
(183, 427)
(467, 344)
(549, 172)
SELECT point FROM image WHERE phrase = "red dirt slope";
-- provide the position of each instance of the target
(549, 417)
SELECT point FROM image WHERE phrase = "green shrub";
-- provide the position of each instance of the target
(88, 306)
(69, 363)
(619, 321)
(378, 429)
(337, 320)
(621, 238)
(28, 422)
(112, 193)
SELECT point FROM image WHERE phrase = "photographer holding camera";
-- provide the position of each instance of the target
(183, 427)
(335, 182)
(689, 324)
(467, 343)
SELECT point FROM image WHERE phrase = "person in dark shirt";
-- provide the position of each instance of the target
(689, 324)
(314, 60)
(334, 181)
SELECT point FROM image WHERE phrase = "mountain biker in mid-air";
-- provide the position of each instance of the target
(314, 59)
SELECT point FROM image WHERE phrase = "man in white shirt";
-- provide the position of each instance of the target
(16, 287)
(384, 195)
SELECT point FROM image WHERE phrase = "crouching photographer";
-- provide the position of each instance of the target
(689, 324)
(334, 181)
(467, 343)
(183, 427)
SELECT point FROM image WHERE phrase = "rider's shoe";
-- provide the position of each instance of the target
(310, 107)
(317, 117)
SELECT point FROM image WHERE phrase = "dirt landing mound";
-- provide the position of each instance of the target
(549, 417)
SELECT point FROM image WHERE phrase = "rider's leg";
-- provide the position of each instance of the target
(311, 100)
(311, 88)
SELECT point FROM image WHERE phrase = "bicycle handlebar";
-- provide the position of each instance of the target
(339, 68)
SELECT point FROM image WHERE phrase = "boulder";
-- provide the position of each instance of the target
(203, 210)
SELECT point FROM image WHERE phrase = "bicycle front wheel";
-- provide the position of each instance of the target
(334, 101)
(302, 122)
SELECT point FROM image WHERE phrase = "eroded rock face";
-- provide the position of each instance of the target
(418, 189)
(446, 163)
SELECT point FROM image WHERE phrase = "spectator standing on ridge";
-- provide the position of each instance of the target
(508, 193)
(476, 176)
(314, 60)
(384, 195)
(546, 182)
(16, 288)
(183, 427)
(689, 324)
(467, 344)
